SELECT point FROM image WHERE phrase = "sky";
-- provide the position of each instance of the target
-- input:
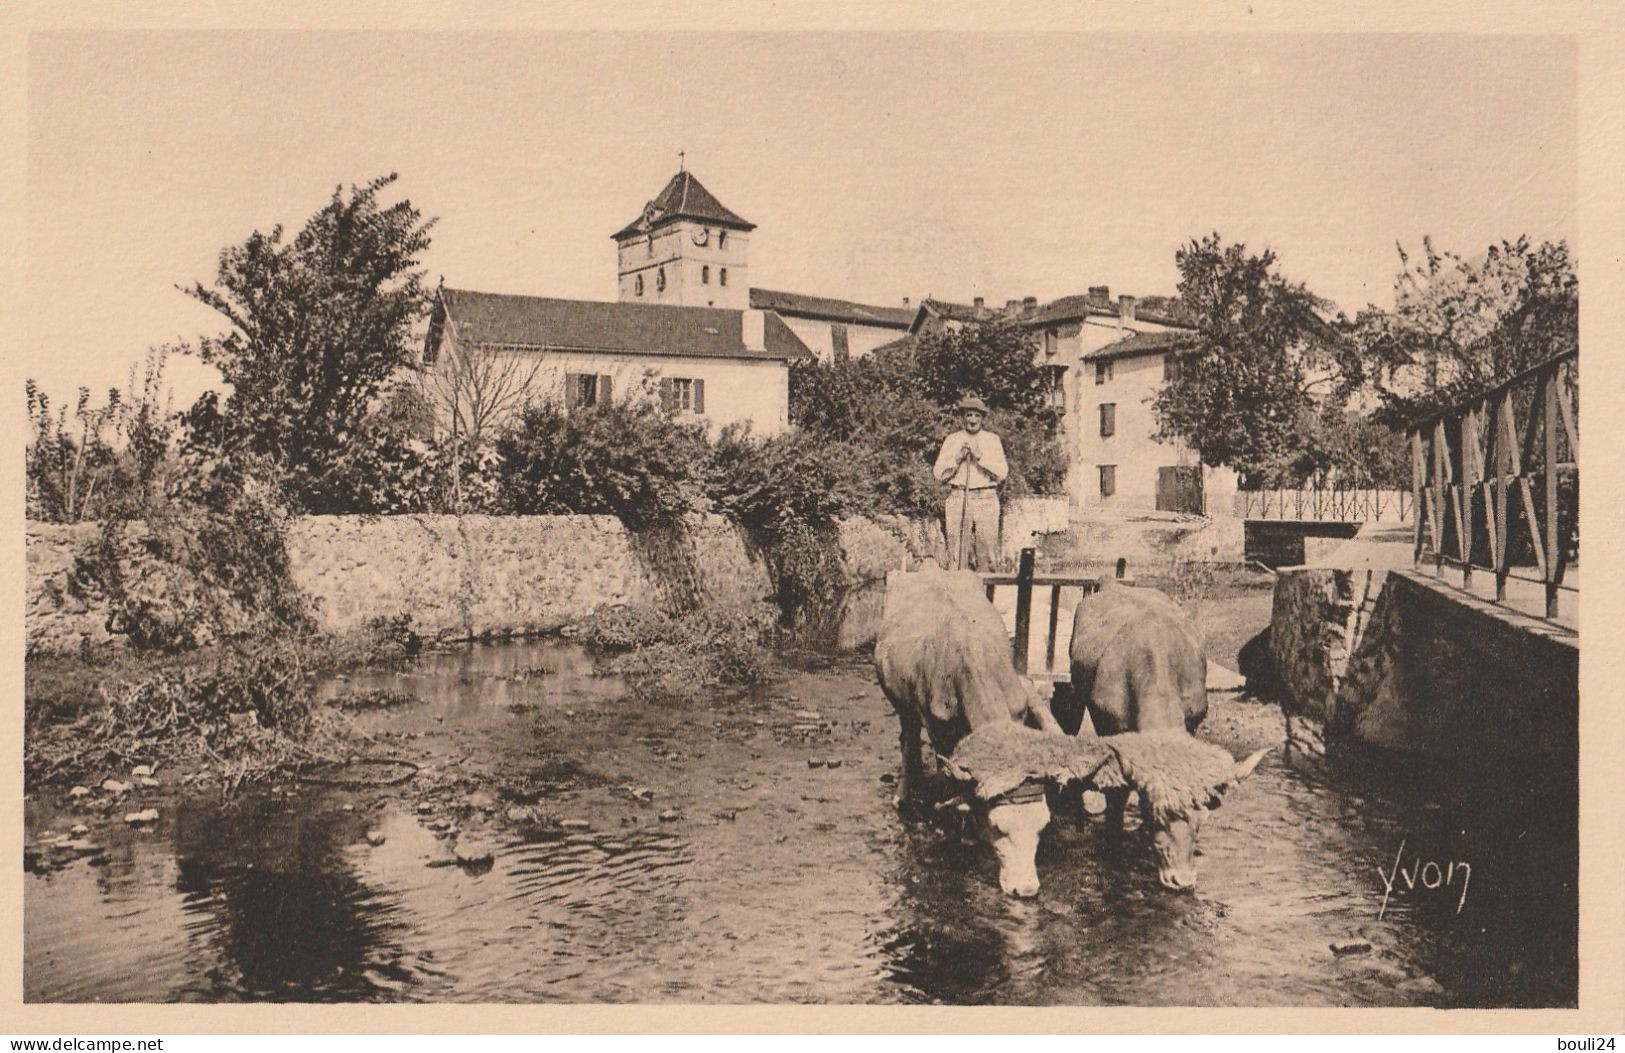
(875, 165)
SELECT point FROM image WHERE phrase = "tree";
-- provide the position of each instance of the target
(994, 358)
(1458, 326)
(1262, 362)
(318, 325)
(473, 389)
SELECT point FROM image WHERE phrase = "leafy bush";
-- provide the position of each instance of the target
(111, 459)
(624, 627)
(211, 568)
(667, 656)
(877, 412)
(621, 459)
(246, 707)
(767, 485)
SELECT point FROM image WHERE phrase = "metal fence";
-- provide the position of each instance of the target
(1328, 504)
(1472, 463)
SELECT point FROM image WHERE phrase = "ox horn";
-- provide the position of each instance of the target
(1245, 768)
(954, 771)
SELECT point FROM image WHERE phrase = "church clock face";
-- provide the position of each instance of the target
(702, 236)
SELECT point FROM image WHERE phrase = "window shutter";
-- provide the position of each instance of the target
(572, 388)
(602, 395)
(668, 395)
(699, 396)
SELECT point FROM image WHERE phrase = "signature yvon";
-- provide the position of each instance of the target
(1429, 875)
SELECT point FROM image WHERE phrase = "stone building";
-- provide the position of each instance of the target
(688, 326)
(712, 364)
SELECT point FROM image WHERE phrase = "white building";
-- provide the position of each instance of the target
(712, 364)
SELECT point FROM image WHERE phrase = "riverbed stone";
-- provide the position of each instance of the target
(144, 816)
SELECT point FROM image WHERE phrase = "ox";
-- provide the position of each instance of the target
(943, 660)
(1138, 667)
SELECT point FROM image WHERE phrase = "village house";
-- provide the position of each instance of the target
(688, 328)
(711, 364)
(1106, 360)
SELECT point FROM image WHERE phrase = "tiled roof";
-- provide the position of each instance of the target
(1161, 310)
(684, 198)
(822, 307)
(594, 325)
(1158, 310)
(1144, 344)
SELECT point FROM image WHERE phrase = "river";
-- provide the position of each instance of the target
(736, 848)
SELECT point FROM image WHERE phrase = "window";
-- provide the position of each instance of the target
(705, 275)
(1108, 419)
(586, 389)
(1103, 371)
(660, 280)
(722, 276)
(1055, 387)
(637, 285)
(650, 242)
(722, 238)
(1108, 480)
(1052, 340)
(682, 394)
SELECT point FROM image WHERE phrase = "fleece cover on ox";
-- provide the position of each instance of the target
(1173, 772)
(1000, 757)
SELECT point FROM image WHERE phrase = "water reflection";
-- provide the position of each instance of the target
(778, 881)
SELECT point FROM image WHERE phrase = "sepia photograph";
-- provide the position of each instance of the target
(700, 517)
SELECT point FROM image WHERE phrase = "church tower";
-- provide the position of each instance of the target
(685, 250)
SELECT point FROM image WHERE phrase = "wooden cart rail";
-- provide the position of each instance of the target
(1025, 582)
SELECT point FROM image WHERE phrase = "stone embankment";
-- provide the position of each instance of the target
(486, 576)
(1402, 661)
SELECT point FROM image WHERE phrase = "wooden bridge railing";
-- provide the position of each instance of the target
(1467, 462)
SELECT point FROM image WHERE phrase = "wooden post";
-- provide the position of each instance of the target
(1466, 441)
(1024, 609)
(1504, 474)
(1054, 623)
(1551, 539)
(1418, 480)
(1436, 497)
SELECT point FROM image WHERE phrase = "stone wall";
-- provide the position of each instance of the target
(1314, 621)
(477, 576)
(57, 617)
(1441, 672)
(1403, 662)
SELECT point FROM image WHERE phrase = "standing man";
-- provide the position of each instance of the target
(972, 463)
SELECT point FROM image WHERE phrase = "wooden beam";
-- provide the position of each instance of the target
(1054, 623)
(1508, 467)
(1487, 454)
(1570, 414)
(1467, 445)
(1418, 472)
(1548, 396)
(1024, 609)
(1436, 497)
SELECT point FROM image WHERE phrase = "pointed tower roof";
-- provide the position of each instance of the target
(684, 198)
